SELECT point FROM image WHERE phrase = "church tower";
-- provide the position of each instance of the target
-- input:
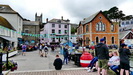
(38, 18)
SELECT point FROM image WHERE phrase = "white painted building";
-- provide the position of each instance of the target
(126, 23)
(55, 31)
(7, 34)
(14, 18)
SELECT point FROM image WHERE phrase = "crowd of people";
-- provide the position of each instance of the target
(103, 61)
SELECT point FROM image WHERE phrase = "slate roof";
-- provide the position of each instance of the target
(123, 34)
(58, 21)
(8, 9)
(30, 23)
(89, 19)
(130, 27)
(92, 17)
(5, 23)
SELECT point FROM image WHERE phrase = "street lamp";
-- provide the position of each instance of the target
(1, 64)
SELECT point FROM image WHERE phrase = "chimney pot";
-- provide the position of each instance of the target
(61, 17)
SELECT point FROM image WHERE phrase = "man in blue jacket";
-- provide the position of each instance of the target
(102, 52)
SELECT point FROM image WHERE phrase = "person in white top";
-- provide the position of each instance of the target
(114, 62)
(45, 50)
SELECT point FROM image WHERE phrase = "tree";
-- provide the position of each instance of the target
(114, 14)
(128, 17)
(73, 30)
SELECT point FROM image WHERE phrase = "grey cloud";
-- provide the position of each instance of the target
(84, 8)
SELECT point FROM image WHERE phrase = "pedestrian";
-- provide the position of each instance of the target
(102, 52)
(52, 47)
(23, 50)
(58, 63)
(65, 54)
(45, 50)
(124, 59)
(40, 50)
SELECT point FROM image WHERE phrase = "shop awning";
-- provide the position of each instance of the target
(9, 38)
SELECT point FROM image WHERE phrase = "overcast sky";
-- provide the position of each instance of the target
(75, 10)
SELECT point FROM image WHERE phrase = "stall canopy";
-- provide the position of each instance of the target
(9, 38)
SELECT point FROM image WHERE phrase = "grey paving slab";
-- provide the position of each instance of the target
(32, 61)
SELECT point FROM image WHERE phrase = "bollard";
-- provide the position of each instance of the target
(1, 64)
(7, 61)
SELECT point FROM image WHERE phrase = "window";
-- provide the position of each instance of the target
(100, 26)
(26, 31)
(53, 25)
(65, 26)
(112, 40)
(97, 27)
(100, 17)
(53, 31)
(65, 38)
(87, 40)
(123, 23)
(53, 39)
(112, 27)
(87, 29)
(131, 22)
(103, 27)
(1, 31)
(59, 26)
(97, 40)
(127, 22)
(59, 32)
(65, 31)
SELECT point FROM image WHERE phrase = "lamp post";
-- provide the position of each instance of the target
(1, 64)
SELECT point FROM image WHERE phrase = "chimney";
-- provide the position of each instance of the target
(61, 17)
(46, 20)
(68, 20)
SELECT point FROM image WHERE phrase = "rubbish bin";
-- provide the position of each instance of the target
(77, 59)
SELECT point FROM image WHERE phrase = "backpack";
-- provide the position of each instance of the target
(45, 49)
